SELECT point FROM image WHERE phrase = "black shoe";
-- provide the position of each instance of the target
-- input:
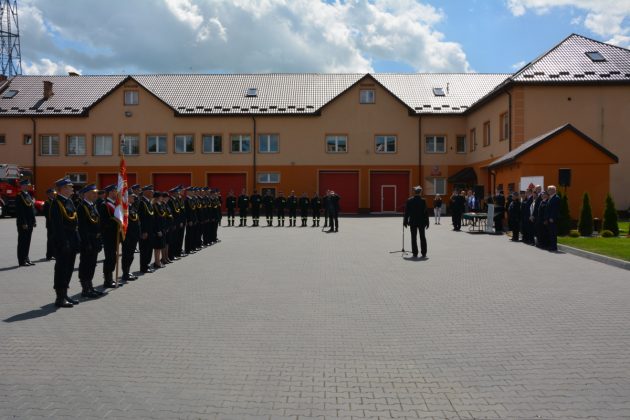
(72, 301)
(424, 255)
(97, 292)
(415, 255)
(62, 303)
(336, 230)
(23, 264)
(133, 277)
(89, 294)
(109, 285)
(330, 230)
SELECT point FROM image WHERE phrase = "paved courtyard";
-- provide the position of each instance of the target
(276, 323)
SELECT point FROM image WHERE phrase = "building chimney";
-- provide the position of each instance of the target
(3, 77)
(73, 73)
(48, 89)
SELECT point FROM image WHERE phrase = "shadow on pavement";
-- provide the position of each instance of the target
(416, 259)
(9, 268)
(35, 313)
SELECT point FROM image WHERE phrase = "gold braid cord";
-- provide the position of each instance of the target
(26, 203)
(65, 214)
(87, 213)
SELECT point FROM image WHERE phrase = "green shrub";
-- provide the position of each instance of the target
(585, 225)
(608, 234)
(564, 221)
(574, 233)
(610, 217)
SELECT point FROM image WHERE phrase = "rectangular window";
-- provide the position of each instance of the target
(76, 145)
(461, 144)
(439, 186)
(103, 145)
(367, 96)
(240, 143)
(212, 143)
(77, 177)
(268, 143)
(28, 139)
(504, 124)
(268, 178)
(49, 145)
(3, 139)
(486, 133)
(157, 144)
(184, 143)
(385, 144)
(435, 144)
(473, 140)
(336, 144)
(131, 97)
(130, 145)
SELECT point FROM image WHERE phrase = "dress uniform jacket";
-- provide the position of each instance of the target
(417, 218)
(25, 220)
(91, 245)
(66, 241)
(147, 218)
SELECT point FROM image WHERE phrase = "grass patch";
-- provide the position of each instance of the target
(611, 247)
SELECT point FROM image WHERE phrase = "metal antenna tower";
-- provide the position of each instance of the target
(10, 55)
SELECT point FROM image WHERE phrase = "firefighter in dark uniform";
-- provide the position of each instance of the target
(131, 240)
(169, 228)
(230, 204)
(207, 207)
(159, 230)
(304, 205)
(215, 217)
(179, 220)
(325, 206)
(332, 209)
(256, 200)
(25, 220)
(316, 205)
(292, 203)
(267, 202)
(514, 216)
(90, 234)
(243, 204)
(50, 251)
(64, 224)
(417, 218)
(191, 221)
(281, 203)
(198, 213)
(110, 229)
(147, 218)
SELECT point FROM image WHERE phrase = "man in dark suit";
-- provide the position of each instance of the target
(552, 213)
(417, 218)
(110, 231)
(332, 208)
(65, 233)
(91, 245)
(458, 206)
(25, 220)
(147, 220)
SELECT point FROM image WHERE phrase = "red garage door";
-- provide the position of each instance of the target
(108, 179)
(389, 191)
(344, 184)
(225, 182)
(164, 182)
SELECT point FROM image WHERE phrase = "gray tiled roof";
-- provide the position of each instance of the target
(538, 140)
(72, 94)
(568, 62)
(226, 93)
(461, 90)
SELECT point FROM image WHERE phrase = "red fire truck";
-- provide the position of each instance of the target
(10, 176)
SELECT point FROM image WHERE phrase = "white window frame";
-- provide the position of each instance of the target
(442, 190)
(213, 138)
(464, 143)
(386, 143)
(505, 126)
(265, 143)
(76, 139)
(487, 132)
(77, 177)
(101, 150)
(157, 138)
(434, 149)
(132, 97)
(338, 139)
(126, 147)
(268, 177)
(185, 138)
(27, 140)
(49, 140)
(241, 139)
(367, 96)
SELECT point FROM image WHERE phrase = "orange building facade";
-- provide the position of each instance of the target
(369, 137)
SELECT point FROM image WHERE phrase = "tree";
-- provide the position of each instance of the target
(585, 225)
(610, 216)
(564, 222)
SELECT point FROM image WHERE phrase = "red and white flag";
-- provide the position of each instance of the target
(122, 200)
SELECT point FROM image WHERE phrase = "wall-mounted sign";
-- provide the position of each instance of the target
(435, 171)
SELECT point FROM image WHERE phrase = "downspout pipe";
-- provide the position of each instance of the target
(509, 119)
(420, 150)
(254, 155)
(34, 143)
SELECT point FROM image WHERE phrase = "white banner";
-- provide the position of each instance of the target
(490, 219)
(526, 181)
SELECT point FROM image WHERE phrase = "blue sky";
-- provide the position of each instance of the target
(257, 36)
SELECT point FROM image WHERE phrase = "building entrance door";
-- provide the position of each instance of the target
(388, 198)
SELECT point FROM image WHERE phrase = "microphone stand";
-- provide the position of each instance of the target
(402, 251)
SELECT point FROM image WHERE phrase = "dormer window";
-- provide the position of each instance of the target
(367, 96)
(131, 97)
(9, 94)
(595, 56)
(438, 91)
(252, 92)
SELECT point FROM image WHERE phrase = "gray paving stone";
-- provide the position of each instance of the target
(294, 323)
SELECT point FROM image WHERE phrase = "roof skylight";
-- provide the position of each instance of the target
(252, 92)
(595, 56)
(9, 94)
(438, 91)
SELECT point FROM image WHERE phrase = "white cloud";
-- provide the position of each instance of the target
(519, 65)
(605, 18)
(236, 35)
(48, 67)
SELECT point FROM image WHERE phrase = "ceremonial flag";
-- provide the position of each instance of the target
(122, 200)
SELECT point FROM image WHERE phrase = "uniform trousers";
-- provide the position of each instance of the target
(64, 266)
(146, 251)
(414, 240)
(24, 243)
(87, 265)
(128, 249)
